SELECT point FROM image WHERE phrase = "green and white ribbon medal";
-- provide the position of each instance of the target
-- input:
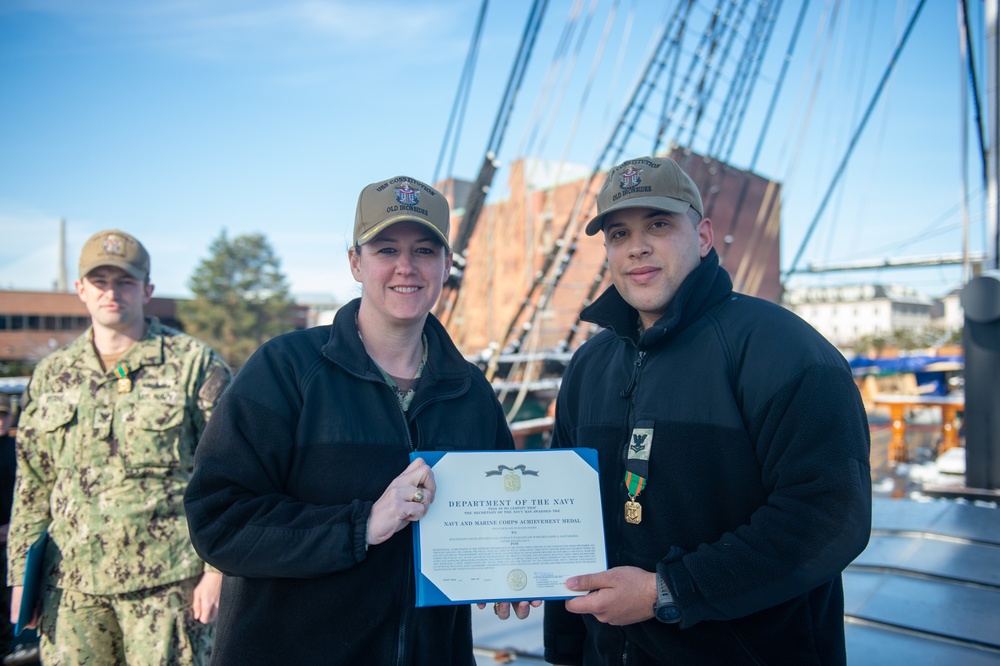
(637, 469)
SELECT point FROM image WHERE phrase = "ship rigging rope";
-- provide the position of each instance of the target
(679, 99)
(854, 139)
(754, 56)
(728, 116)
(821, 49)
(530, 366)
(543, 105)
(974, 82)
(731, 117)
(722, 37)
(528, 38)
(781, 80)
(457, 117)
(549, 84)
(932, 229)
(619, 61)
(558, 254)
(588, 87)
(768, 116)
(477, 195)
(877, 140)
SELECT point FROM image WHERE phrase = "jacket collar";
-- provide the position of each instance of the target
(146, 351)
(446, 368)
(707, 285)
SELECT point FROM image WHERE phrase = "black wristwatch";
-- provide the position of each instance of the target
(665, 609)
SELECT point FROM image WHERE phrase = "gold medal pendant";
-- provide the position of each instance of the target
(633, 512)
(124, 382)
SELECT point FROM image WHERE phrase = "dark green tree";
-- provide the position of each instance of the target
(241, 298)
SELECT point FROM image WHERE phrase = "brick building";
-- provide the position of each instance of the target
(33, 324)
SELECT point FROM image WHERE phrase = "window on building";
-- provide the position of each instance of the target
(16, 322)
(34, 323)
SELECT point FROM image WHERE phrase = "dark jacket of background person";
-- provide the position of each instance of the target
(759, 484)
(304, 441)
(8, 471)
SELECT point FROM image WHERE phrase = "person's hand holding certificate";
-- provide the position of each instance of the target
(508, 525)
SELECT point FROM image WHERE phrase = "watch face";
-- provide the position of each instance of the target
(668, 613)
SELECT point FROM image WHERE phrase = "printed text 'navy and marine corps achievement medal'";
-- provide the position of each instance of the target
(511, 481)
(124, 382)
(637, 468)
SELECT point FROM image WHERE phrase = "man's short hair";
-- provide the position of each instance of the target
(694, 216)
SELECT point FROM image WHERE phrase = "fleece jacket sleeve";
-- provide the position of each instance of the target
(812, 444)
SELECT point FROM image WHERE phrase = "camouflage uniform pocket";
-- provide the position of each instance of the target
(56, 413)
(153, 431)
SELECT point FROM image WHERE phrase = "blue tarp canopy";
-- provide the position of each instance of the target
(926, 369)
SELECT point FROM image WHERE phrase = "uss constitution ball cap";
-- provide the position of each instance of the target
(115, 248)
(400, 199)
(646, 182)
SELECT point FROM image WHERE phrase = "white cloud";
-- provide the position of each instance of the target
(225, 29)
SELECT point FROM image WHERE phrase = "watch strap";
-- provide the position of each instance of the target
(663, 595)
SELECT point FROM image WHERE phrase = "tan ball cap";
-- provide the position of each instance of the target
(646, 182)
(115, 248)
(400, 199)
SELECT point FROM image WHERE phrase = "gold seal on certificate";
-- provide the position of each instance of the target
(516, 580)
(508, 525)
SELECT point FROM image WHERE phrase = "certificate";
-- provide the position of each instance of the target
(508, 526)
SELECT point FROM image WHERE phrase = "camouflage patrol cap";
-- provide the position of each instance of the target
(646, 182)
(115, 248)
(4, 405)
(400, 199)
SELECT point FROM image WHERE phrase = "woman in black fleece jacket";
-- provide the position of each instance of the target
(303, 492)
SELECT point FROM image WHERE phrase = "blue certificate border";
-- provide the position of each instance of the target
(429, 594)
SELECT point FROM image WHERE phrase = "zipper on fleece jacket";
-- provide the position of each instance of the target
(634, 380)
(406, 426)
(404, 620)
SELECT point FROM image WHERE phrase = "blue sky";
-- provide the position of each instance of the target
(176, 119)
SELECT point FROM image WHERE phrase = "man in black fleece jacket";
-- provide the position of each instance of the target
(733, 449)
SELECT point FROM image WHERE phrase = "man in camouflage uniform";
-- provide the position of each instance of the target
(106, 449)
